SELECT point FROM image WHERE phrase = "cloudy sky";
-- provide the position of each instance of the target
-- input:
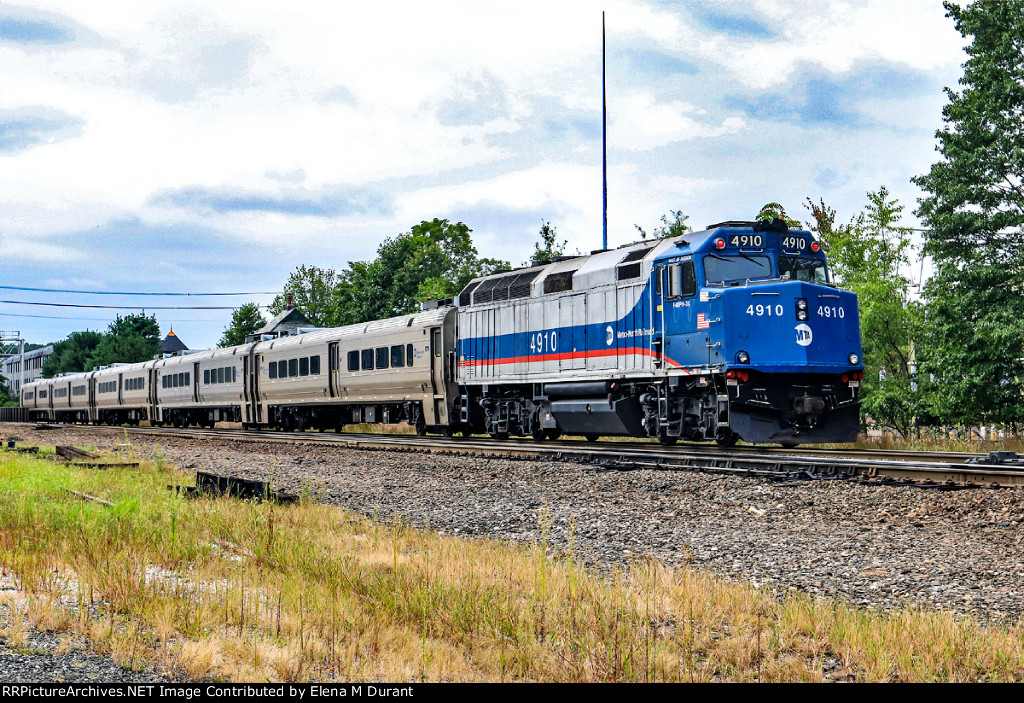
(169, 146)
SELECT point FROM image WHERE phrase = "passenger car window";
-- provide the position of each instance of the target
(282, 369)
(353, 361)
(408, 355)
(304, 366)
(367, 359)
(397, 356)
(314, 365)
(382, 357)
(273, 369)
(293, 367)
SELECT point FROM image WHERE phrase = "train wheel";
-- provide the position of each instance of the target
(552, 435)
(447, 431)
(466, 432)
(421, 429)
(726, 438)
(790, 445)
(592, 437)
(664, 440)
(538, 435)
(499, 435)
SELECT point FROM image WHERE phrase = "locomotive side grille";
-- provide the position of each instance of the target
(637, 254)
(500, 290)
(484, 293)
(628, 271)
(520, 287)
(558, 282)
(465, 297)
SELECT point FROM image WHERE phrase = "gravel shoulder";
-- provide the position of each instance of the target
(874, 546)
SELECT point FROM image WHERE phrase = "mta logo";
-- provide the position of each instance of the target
(803, 334)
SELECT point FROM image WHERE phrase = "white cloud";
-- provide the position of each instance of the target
(836, 35)
(457, 107)
(641, 122)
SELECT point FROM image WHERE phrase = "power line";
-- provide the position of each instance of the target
(107, 292)
(126, 307)
(94, 319)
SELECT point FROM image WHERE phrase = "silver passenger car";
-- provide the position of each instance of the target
(399, 369)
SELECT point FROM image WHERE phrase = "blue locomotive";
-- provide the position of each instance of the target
(732, 332)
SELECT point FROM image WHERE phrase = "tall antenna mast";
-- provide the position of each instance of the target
(604, 139)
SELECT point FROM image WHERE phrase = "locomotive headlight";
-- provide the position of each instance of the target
(742, 357)
(854, 359)
(801, 309)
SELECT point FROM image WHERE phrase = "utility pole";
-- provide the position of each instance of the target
(604, 138)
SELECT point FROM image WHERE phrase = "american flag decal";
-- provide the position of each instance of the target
(703, 322)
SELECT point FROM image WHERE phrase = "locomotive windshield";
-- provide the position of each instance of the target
(726, 269)
(801, 269)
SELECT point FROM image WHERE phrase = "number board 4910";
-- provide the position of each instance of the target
(746, 240)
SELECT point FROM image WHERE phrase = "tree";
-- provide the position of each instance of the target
(5, 391)
(869, 256)
(547, 249)
(772, 211)
(244, 321)
(312, 291)
(128, 339)
(974, 209)
(676, 227)
(435, 259)
(71, 354)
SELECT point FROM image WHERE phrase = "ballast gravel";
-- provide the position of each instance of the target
(877, 547)
(873, 546)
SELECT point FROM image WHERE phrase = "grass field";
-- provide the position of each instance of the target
(246, 591)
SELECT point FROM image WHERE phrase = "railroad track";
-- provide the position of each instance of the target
(936, 470)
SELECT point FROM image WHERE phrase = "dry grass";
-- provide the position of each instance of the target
(333, 596)
(933, 442)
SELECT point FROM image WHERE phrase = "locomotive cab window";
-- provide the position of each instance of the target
(794, 268)
(734, 269)
(680, 280)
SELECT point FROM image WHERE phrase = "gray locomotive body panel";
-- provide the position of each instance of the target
(598, 328)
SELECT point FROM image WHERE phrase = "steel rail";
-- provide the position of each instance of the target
(828, 464)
